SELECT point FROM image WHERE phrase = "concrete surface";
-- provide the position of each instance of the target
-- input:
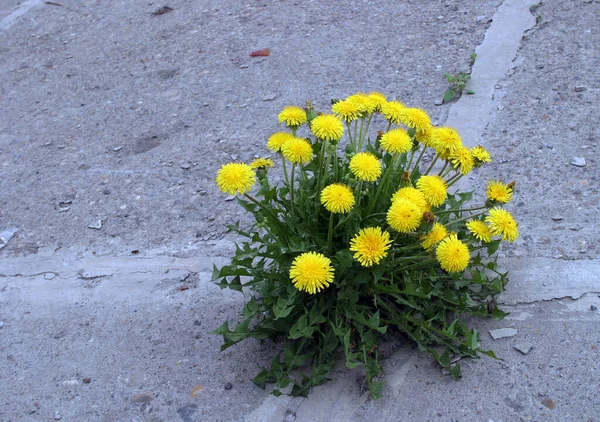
(113, 324)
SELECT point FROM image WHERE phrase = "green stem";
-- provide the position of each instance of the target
(460, 220)
(443, 168)
(270, 212)
(454, 180)
(432, 164)
(382, 184)
(416, 166)
(350, 137)
(292, 189)
(460, 210)
(285, 173)
(330, 235)
(360, 137)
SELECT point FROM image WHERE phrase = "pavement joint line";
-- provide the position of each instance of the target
(19, 12)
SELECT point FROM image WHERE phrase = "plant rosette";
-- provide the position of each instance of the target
(360, 238)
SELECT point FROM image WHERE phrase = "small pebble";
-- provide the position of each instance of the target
(580, 88)
(1, 324)
(57, 415)
(117, 149)
(86, 380)
(106, 191)
(557, 217)
(270, 96)
(593, 308)
(524, 348)
(229, 198)
(578, 162)
(228, 386)
(185, 166)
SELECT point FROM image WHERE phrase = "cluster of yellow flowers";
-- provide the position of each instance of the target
(411, 205)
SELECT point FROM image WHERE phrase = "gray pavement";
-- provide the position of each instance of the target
(114, 326)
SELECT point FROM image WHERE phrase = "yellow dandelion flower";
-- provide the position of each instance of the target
(404, 216)
(311, 272)
(348, 111)
(452, 254)
(434, 189)
(365, 166)
(297, 150)
(370, 246)
(414, 195)
(262, 163)
(235, 177)
(446, 140)
(327, 127)
(480, 230)
(499, 192)
(276, 140)
(462, 160)
(415, 118)
(396, 141)
(392, 110)
(378, 99)
(481, 155)
(292, 116)
(337, 198)
(502, 223)
(437, 234)
(366, 104)
(425, 136)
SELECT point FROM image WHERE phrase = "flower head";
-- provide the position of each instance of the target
(462, 160)
(311, 272)
(452, 254)
(404, 216)
(414, 195)
(502, 223)
(277, 140)
(396, 141)
(415, 118)
(481, 155)
(499, 192)
(434, 189)
(446, 140)
(365, 166)
(392, 110)
(365, 103)
(480, 230)
(370, 246)
(297, 150)
(327, 127)
(235, 177)
(292, 116)
(348, 111)
(262, 163)
(437, 234)
(378, 99)
(425, 136)
(337, 198)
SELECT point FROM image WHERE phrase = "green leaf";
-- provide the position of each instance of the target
(300, 329)
(470, 92)
(456, 371)
(448, 96)
(489, 353)
(282, 309)
(375, 388)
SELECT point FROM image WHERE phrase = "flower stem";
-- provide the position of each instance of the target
(454, 179)
(460, 210)
(416, 166)
(292, 188)
(443, 168)
(432, 164)
(330, 235)
(285, 173)
(460, 220)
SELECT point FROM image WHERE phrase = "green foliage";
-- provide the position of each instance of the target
(407, 290)
(458, 82)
